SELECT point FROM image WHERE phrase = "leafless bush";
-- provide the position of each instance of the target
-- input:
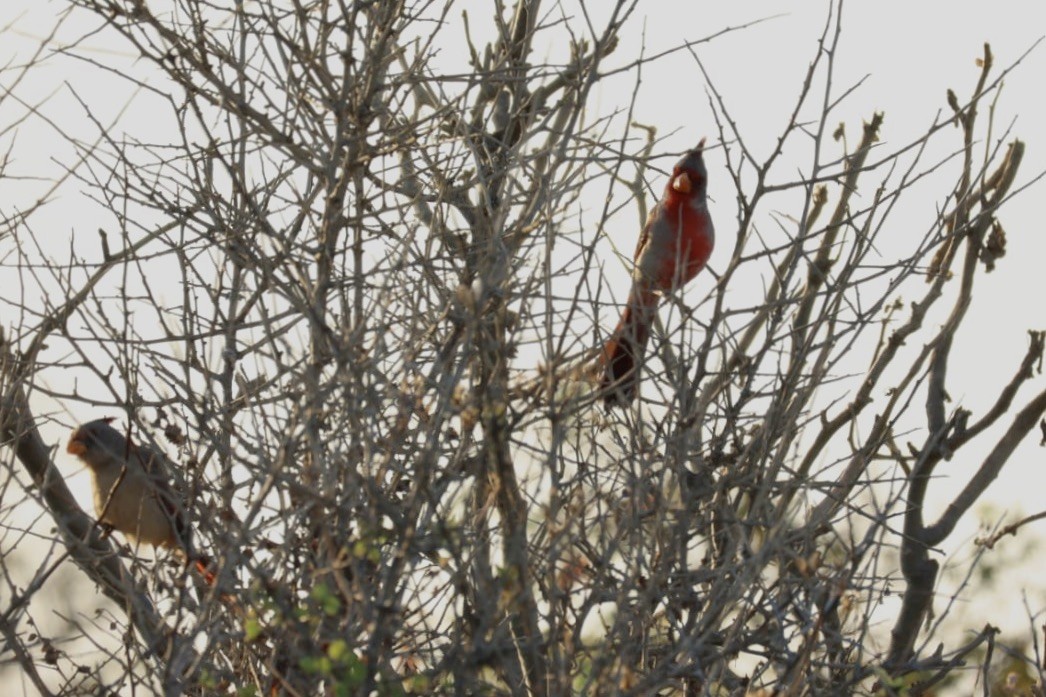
(352, 295)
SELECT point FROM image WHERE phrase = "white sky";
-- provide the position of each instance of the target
(911, 52)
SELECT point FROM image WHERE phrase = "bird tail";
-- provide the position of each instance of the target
(203, 567)
(623, 353)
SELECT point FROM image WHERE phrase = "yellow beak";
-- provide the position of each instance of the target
(76, 446)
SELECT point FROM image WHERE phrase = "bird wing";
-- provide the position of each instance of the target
(159, 471)
(644, 234)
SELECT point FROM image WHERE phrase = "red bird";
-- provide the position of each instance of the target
(674, 246)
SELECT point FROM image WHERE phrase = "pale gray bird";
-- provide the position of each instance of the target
(132, 490)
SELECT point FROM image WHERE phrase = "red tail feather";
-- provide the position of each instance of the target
(623, 353)
(203, 565)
